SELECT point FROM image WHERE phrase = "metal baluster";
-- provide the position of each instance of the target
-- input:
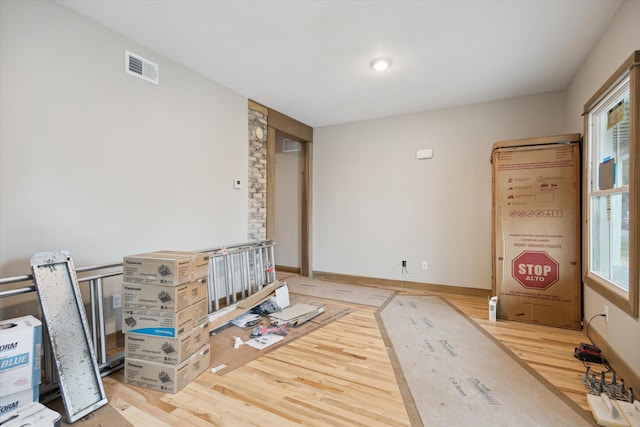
(226, 277)
(247, 271)
(101, 326)
(233, 278)
(94, 327)
(243, 283)
(273, 262)
(255, 269)
(260, 251)
(213, 284)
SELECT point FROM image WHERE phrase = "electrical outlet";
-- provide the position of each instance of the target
(117, 301)
(425, 265)
(605, 310)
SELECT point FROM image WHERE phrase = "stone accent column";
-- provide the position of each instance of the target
(257, 179)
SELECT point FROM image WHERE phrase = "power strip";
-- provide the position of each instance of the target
(614, 413)
(631, 411)
(614, 389)
(588, 353)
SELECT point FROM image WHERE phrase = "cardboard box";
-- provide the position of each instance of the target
(200, 261)
(225, 315)
(137, 296)
(536, 230)
(17, 400)
(33, 414)
(156, 375)
(156, 268)
(200, 361)
(164, 323)
(200, 290)
(20, 353)
(493, 306)
(296, 315)
(172, 351)
(163, 377)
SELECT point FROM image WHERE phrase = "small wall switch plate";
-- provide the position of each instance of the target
(237, 184)
(425, 265)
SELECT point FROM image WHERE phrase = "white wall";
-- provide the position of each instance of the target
(620, 39)
(376, 205)
(104, 164)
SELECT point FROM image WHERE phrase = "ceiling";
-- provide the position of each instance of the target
(310, 59)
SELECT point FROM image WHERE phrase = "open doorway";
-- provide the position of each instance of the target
(279, 123)
(288, 203)
(263, 119)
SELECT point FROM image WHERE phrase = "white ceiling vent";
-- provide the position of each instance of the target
(289, 145)
(140, 67)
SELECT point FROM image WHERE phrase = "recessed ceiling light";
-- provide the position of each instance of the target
(380, 64)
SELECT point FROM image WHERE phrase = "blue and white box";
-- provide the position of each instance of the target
(17, 400)
(34, 414)
(20, 354)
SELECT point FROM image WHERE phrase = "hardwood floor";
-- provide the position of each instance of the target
(339, 375)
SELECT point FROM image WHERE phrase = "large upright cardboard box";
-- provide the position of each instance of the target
(536, 230)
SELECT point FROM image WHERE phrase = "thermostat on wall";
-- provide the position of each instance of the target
(237, 184)
(425, 153)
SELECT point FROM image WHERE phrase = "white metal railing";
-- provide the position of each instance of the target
(239, 271)
(235, 272)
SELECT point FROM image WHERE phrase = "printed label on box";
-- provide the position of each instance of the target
(158, 269)
(163, 298)
(164, 323)
(166, 350)
(16, 400)
(200, 262)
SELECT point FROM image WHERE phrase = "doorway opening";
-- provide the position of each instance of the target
(280, 127)
(288, 203)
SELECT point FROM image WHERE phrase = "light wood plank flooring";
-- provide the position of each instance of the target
(339, 375)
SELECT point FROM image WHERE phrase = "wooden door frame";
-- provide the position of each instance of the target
(304, 134)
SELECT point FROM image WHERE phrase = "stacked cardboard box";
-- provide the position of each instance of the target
(165, 319)
(20, 353)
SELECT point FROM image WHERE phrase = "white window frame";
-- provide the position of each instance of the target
(626, 300)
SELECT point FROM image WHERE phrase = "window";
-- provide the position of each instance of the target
(612, 188)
